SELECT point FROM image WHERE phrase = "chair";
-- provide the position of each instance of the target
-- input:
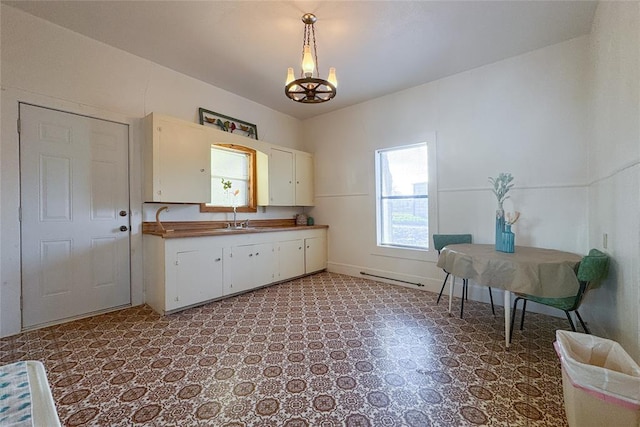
(592, 269)
(439, 242)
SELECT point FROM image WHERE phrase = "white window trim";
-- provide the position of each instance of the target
(426, 255)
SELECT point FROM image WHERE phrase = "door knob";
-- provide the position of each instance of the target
(124, 228)
(123, 213)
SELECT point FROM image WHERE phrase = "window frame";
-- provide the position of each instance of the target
(411, 253)
(252, 205)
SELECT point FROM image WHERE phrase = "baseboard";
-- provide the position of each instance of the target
(476, 292)
(430, 285)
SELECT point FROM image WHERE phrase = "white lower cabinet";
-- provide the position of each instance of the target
(198, 277)
(250, 266)
(180, 272)
(290, 259)
(315, 254)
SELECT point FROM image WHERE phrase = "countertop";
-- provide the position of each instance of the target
(218, 228)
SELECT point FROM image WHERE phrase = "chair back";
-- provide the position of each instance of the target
(593, 269)
(442, 240)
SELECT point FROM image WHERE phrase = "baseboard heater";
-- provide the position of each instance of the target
(391, 278)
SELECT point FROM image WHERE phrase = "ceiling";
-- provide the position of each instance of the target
(377, 47)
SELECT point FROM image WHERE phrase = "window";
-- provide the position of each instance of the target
(237, 165)
(402, 197)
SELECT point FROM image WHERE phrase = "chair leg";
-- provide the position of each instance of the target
(524, 310)
(465, 285)
(513, 317)
(442, 288)
(493, 310)
(573, 327)
(582, 323)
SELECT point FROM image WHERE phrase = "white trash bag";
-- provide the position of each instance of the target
(601, 382)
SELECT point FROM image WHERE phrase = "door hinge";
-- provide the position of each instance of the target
(19, 213)
(177, 262)
(19, 126)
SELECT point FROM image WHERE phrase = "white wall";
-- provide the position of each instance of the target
(525, 115)
(50, 66)
(614, 170)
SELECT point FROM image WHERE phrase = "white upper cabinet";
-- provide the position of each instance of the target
(290, 178)
(177, 165)
(281, 188)
(304, 179)
(177, 161)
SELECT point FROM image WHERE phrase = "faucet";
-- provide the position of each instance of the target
(235, 223)
(160, 226)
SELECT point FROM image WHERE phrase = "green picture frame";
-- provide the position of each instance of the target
(227, 124)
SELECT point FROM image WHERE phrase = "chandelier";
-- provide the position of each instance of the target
(309, 89)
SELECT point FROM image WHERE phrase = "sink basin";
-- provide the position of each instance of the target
(237, 229)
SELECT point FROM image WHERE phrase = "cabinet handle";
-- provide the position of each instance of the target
(218, 259)
(201, 170)
(250, 254)
(257, 253)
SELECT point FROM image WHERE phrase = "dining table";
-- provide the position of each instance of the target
(528, 270)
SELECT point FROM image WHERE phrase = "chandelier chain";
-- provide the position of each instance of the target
(315, 49)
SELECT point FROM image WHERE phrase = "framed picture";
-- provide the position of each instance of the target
(228, 124)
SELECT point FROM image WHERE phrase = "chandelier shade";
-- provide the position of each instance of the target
(310, 88)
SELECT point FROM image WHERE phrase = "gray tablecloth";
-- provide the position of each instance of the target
(535, 271)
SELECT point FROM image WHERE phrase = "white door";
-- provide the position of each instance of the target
(75, 215)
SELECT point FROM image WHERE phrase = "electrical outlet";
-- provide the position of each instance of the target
(605, 240)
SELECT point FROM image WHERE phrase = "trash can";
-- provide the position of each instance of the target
(600, 381)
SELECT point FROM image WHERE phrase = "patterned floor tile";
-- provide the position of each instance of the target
(324, 350)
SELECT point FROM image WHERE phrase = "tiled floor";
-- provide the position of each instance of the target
(325, 350)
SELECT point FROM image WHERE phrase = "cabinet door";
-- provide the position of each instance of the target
(315, 255)
(304, 179)
(281, 188)
(251, 266)
(241, 269)
(181, 163)
(264, 264)
(198, 278)
(290, 259)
